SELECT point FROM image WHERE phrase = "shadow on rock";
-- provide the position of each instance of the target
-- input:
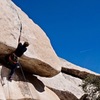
(21, 75)
(39, 86)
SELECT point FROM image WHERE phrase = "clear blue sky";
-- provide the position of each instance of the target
(73, 27)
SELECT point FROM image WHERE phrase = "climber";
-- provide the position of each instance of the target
(13, 57)
(21, 48)
(13, 63)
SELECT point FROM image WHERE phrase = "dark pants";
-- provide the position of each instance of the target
(13, 68)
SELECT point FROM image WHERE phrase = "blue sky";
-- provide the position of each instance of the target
(73, 27)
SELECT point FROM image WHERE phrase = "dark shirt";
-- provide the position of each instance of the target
(20, 50)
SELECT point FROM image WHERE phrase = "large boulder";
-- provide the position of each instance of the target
(65, 86)
(68, 83)
(15, 25)
(75, 70)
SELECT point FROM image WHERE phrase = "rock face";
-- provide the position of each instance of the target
(39, 60)
(64, 84)
(67, 85)
(14, 26)
(20, 89)
(74, 70)
(34, 87)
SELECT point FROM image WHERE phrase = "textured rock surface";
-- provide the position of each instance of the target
(15, 25)
(75, 70)
(20, 89)
(68, 65)
(69, 83)
(40, 59)
(65, 95)
(65, 83)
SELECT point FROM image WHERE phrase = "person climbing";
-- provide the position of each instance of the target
(21, 48)
(13, 63)
(13, 57)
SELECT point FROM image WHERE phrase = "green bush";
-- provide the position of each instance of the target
(91, 85)
(92, 79)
